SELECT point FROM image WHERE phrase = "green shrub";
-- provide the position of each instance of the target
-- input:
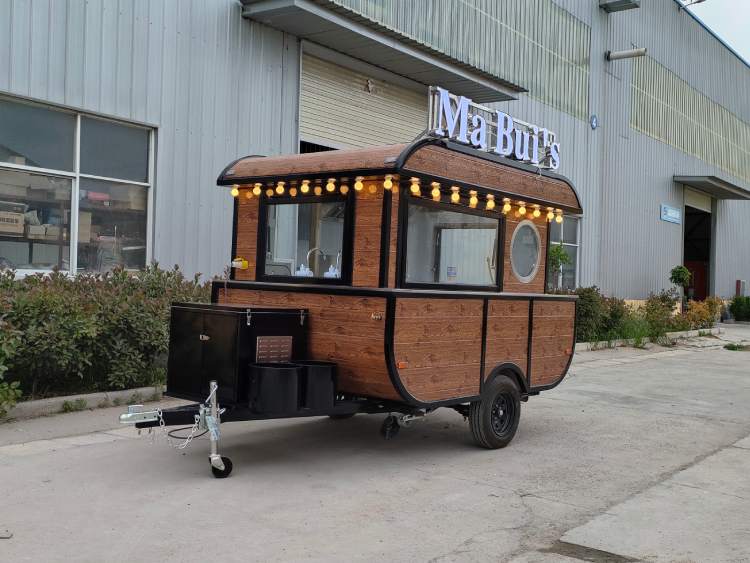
(73, 406)
(93, 332)
(658, 312)
(9, 392)
(590, 313)
(740, 308)
(615, 312)
(635, 327)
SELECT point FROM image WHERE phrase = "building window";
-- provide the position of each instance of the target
(305, 240)
(524, 251)
(66, 175)
(450, 247)
(565, 234)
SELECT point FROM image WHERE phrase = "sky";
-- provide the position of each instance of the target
(730, 20)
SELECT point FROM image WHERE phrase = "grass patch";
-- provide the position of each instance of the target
(737, 347)
(73, 406)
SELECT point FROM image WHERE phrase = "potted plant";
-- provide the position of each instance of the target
(680, 276)
(556, 259)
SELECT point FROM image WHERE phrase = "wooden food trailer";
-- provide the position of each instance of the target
(417, 272)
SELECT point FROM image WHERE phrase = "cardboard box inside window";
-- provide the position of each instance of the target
(11, 223)
(36, 232)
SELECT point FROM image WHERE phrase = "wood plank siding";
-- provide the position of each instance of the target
(507, 334)
(438, 346)
(368, 215)
(344, 329)
(552, 342)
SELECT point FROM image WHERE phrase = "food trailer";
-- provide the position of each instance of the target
(395, 279)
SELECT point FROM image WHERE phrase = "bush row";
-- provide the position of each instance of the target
(740, 308)
(607, 318)
(87, 333)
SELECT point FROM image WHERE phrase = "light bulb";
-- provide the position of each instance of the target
(257, 189)
(269, 192)
(414, 186)
(388, 182)
(280, 188)
(473, 199)
(521, 208)
(235, 190)
(293, 192)
(536, 212)
(558, 218)
(550, 214)
(358, 183)
(344, 189)
(455, 195)
(249, 194)
(490, 202)
(506, 205)
(305, 187)
(435, 191)
(318, 190)
(331, 185)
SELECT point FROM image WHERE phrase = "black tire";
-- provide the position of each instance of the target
(494, 418)
(340, 416)
(227, 469)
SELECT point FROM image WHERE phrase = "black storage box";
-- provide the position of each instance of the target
(220, 341)
(274, 387)
(317, 385)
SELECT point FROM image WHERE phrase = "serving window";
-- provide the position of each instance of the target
(305, 240)
(448, 245)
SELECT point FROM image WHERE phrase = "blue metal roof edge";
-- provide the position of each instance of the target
(712, 32)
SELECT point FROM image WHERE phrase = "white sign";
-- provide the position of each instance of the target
(459, 119)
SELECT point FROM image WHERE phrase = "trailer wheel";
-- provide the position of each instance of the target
(390, 427)
(494, 418)
(219, 474)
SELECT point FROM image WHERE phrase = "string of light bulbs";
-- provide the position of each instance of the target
(472, 197)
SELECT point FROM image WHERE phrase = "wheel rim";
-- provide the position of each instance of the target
(503, 411)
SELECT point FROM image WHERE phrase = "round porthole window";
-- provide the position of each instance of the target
(524, 251)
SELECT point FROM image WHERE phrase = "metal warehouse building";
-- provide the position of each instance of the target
(117, 116)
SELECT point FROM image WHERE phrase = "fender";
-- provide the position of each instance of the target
(511, 369)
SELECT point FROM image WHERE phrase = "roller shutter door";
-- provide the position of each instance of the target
(340, 109)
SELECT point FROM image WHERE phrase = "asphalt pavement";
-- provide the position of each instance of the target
(637, 455)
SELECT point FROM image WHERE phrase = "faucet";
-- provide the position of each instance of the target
(309, 252)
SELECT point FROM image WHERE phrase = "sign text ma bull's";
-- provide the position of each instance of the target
(460, 119)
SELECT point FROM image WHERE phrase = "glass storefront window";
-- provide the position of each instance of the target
(108, 189)
(114, 150)
(305, 239)
(566, 235)
(34, 221)
(111, 225)
(33, 135)
(449, 247)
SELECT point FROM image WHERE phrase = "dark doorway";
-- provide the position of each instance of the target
(305, 147)
(697, 256)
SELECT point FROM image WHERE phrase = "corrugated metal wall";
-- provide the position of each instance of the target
(216, 87)
(532, 43)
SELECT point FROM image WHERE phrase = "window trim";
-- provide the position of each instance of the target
(75, 175)
(347, 246)
(408, 200)
(530, 278)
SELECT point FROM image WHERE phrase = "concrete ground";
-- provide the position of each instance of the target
(637, 455)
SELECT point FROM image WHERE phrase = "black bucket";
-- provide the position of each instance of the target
(318, 384)
(274, 387)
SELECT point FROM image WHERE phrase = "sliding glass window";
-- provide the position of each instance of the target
(67, 176)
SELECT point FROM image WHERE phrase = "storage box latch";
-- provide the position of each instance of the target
(302, 315)
(249, 317)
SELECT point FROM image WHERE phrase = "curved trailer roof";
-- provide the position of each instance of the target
(433, 159)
